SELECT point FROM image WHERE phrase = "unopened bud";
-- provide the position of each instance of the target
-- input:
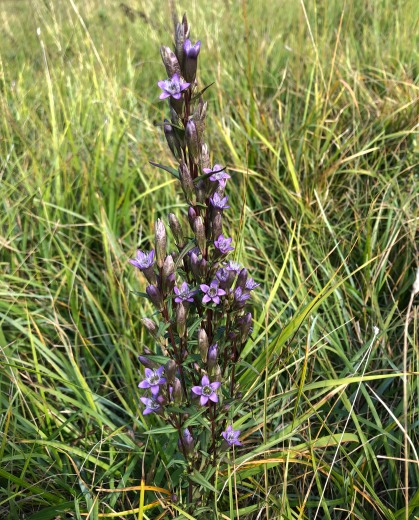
(205, 158)
(187, 442)
(176, 229)
(155, 295)
(203, 267)
(177, 391)
(172, 139)
(212, 356)
(170, 61)
(241, 279)
(187, 183)
(245, 326)
(192, 139)
(168, 269)
(217, 375)
(180, 319)
(170, 371)
(198, 227)
(160, 242)
(146, 362)
(150, 326)
(195, 265)
(203, 344)
(217, 225)
(191, 216)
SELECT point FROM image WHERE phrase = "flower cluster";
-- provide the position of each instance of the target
(199, 293)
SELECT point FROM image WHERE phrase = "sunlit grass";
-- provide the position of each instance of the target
(314, 109)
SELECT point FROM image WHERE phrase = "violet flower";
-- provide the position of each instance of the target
(212, 292)
(223, 244)
(219, 202)
(151, 405)
(207, 391)
(191, 51)
(218, 174)
(240, 297)
(184, 294)
(172, 87)
(232, 436)
(251, 284)
(143, 260)
(233, 266)
(153, 380)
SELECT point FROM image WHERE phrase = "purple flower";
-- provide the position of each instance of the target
(153, 378)
(212, 292)
(240, 296)
(207, 391)
(223, 244)
(232, 436)
(233, 266)
(219, 202)
(143, 260)
(251, 284)
(151, 405)
(223, 274)
(218, 174)
(191, 51)
(184, 294)
(172, 87)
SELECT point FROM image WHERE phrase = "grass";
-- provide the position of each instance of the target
(315, 110)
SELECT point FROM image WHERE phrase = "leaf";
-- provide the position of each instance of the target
(159, 431)
(49, 513)
(202, 481)
(202, 91)
(166, 168)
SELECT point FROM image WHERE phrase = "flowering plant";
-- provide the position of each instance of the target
(199, 294)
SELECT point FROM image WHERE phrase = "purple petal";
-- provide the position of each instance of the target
(184, 86)
(206, 299)
(175, 77)
(176, 290)
(221, 292)
(205, 380)
(155, 389)
(215, 299)
(197, 390)
(178, 95)
(146, 411)
(204, 287)
(160, 371)
(162, 84)
(144, 384)
(164, 95)
(203, 400)
(149, 372)
(214, 398)
(178, 300)
(215, 385)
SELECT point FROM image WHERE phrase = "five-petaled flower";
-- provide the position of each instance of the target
(232, 436)
(184, 294)
(251, 284)
(223, 244)
(172, 87)
(212, 292)
(152, 405)
(219, 202)
(207, 391)
(218, 174)
(153, 379)
(143, 260)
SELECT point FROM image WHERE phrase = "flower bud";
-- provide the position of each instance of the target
(190, 63)
(172, 139)
(195, 265)
(241, 279)
(168, 269)
(217, 225)
(191, 216)
(187, 183)
(199, 117)
(217, 375)
(170, 371)
(150, 275)
(150, 326)
(146, 362)
(245, 326)
(212, 356)
(201, 192)
(180, 319)
(192, 139)
(187, 442)
(205, 158)
(181, 33)
(170, 61)
(170, 283)
(160, 242)
(198, 227)
(155, 295)
(177, 393)
(203, 344)
(176, 229)
(203, 267)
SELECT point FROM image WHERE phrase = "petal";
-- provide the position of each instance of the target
(214, 398)
(175, 77)
(215, 385)
(146, 411)
(215, 299)
(162, 84)
(155, 389)
(207, 170)
(204, 287)
(184, 86)
(205, 381)
(221, 292)
(197, 390)
(160, 371)
(206, 299)
(203, 400)
(144, 384)
(178, 300)
(178, 95)
(164, 95)
(149, 372)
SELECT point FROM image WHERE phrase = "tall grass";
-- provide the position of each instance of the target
(316, 112)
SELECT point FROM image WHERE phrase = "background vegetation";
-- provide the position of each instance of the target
(314, 109)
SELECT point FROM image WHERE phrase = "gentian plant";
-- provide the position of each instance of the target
(201, 323)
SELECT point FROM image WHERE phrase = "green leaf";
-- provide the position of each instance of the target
(202, 481)
(169, 169)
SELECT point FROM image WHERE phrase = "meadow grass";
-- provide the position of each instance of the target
(314, 109)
